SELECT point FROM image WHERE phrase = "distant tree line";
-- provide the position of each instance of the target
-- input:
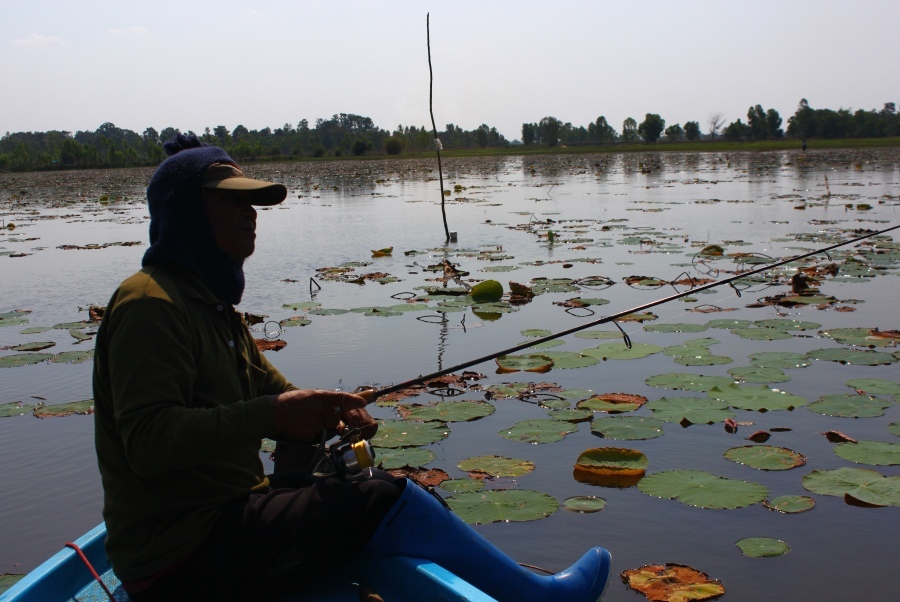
(761, 125)
(343, 135)
(346, 134)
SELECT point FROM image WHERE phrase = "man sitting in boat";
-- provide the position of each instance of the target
(183, 398)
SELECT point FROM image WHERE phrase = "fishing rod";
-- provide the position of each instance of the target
(371, 394)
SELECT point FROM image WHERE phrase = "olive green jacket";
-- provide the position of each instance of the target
(180, 394)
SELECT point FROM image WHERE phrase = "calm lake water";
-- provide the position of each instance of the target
(613, 216)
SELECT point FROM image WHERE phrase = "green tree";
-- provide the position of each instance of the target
(737, 130)
(651, 128)
(692, 130)
(548, 131)
(629, 130)
(674, 133)
(756, 123)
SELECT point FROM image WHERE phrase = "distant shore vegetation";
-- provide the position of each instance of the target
(347, 135)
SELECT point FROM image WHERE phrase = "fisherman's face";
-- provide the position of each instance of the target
(233, 222)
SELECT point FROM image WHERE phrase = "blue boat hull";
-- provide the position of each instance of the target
(65, 577)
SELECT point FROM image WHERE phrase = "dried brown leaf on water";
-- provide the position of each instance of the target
(759, 437)
(672, 582)
(428, 477)
(838, 437)
(270, 345)
(730, 425)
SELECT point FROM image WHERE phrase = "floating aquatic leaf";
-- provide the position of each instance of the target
(894, 428)
(627, 427)
(65, 409)
(779, 359)
(610, 467)
(496, 466)
(447, 411)
(765, 457)
(14, 318)
(462, 485)
(614, 403)
(37, 346)
(875, 386)
(646, 316)
(507, 505)
(690, 410)
(17, 408)
(790, 504)
(856, 357)
(536, 332)
(73, 357)
(301, 305)
(401, 433)
(856, 485)
(850, 406)
(761, 334)
(857, 337)
(672, 583)
(294, 321)
(675, 327)
(876, 453)
(584, 504)
(599, 334)
(729, 324)
(24, 359)
(688, 382)
(838, 437)
(619, 351)
(763, 547)
(786, 324)
(538, 431)
(703, 360)
(553, 285)
(397, 458)
(323, 311)
(755, 374)
(570, 359)
(571, 415)
(33, 329)
(759, 399)
(702, 489)
(533, 362)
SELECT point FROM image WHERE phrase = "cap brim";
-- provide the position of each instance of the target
(260, 192)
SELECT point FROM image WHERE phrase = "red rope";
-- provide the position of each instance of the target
(90, 567)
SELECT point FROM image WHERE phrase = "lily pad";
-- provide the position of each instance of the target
(462, 485)
(856, 485)
(507, 505)
(73, 357)
(447, 411)
(790, 504)
(703, 489)
(571, 415)
(779, 359)
(857, 337)
(402, 433)
(627, 428)
(894, 428)
(619, 351)
(787, 324)
(688, 382)
(729, 324)
(761, 334)
(36, 346)
(763, 547)
(539, 431)
(14, 318)
(400, 457)
(765, 457)
(17, 408)
(672, 583)
(536, 332)
(570, 359)
(533, 362)
(755, 374)
(584, 504)
(876, 453)
(875, 386)
(690, 410)
(24, 359)
(703, 360)
(488, 291)
(856, 357)
(850, 406)
(598, 334)
(675, 327)
(496, 466)
(84, 408)
(614, 403)
(610, 467)
(759, 399)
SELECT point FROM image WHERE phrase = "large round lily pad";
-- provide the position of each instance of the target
(850, 406)
(83, 408)
(539, 431)
(759, 399)
(402, 433)
(462, 485)
(673, 327)
(688, 382)
(447, 411)
(765, 457)
(690, 410)
(532, 362)
(779, 359)
(703, 489)
(857, 485)
(627, 427)
(755, 374)
(16, 408)
(787, 324)
(24, 359)
(875, 386)
(857, 337)
(672, 583)
(388, 458)
(570, 359)
(763, 547)
(620, 351)
(876, 453)
(761, 334)
(856, 357)
(507, 505)
(614, 403)
(496, 466)
(584, 504)
(610, 467)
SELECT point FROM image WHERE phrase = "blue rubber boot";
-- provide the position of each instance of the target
(421, 526)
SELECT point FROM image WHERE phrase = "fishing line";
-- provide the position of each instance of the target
(371, 395)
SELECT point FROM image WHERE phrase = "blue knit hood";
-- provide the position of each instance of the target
(180, 231)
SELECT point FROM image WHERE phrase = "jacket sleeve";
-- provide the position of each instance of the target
(152, 372)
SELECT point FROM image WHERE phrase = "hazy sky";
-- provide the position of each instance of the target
(193, 64)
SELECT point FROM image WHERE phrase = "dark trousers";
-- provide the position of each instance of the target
(278, 542)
